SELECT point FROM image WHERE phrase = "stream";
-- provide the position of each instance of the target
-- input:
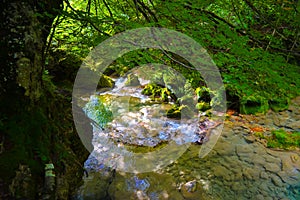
(238, 167)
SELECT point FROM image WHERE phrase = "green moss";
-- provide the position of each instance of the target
(97, 111)
(203, 94)
(259, 135)
(178, 112)
(254, 104)
(203, 106)
(105, 82)
(279, 104)
(284, 140)
(174, 112)
(157, 92)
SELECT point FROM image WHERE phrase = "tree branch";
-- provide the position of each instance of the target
(85, 19)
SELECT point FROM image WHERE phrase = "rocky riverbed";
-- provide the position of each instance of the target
(239, 166)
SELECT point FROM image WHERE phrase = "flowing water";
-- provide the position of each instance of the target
(238, 167)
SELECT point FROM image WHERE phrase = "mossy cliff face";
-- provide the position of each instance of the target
(36, 120)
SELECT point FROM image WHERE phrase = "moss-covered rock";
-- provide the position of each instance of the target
(132, 80)
(174, 112)
(203, 94)
(253, 105)
(157, 92)
(203, 106)
(97, 111)
(178, 112)
(105, 82)
(152, 90)
(284, 140)
(279, 104)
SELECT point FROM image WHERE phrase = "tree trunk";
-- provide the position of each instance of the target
(26, 25)
(33, 122)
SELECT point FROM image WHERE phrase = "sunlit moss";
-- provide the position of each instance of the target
(283, 139)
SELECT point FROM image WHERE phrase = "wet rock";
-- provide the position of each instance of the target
(272, 159)
(294, 158)
(192, 191)
(276, 180)
(144, 186)
(233, 167)
(132, 80)
(272, 167)
(259, 149)
(221, 171)
(190, 186)
(287, 165)
(250, 139)
(290, 178)
(264, 189)
(238, 176)
(243, 150)
(250, 173)
(268, 198)
(105, 82)
(264, 175)
(225, 148)
(257, 159)
(281, 120)
(294, 125)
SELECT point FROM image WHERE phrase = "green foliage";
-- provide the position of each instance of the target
(284, 140)
(260, 135)
(254, 104)
(255, 43)
(281, 139)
